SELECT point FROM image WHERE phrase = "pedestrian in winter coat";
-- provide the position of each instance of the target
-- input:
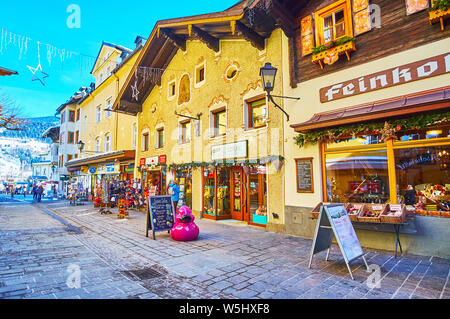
(40, 191)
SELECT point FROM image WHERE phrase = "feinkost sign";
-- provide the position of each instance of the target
(403, 74)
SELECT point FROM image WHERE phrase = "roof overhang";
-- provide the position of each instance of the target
(425, 101)
(102, 158)
(169, 36)
(4, 71)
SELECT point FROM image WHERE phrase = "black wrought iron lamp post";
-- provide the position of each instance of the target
(268, 74)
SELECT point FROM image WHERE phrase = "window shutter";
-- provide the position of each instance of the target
(307, 35)
(413, 6)
(361, 16)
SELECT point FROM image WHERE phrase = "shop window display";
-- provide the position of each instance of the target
(423, 177)
(223, 191)
(184, 178)
(209, 191)
(360, 177)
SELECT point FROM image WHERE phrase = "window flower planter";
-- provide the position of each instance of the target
(439, 16)
(330, 56)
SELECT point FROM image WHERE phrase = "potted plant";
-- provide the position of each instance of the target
(439, 11)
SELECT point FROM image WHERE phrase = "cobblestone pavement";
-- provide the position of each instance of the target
(228, 261)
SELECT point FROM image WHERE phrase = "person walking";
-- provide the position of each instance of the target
(39, 191)
(12, 191)
(34, 191)
(174, 190)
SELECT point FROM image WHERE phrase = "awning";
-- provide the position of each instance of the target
(411, 104)
(101, 158)
(4, 71)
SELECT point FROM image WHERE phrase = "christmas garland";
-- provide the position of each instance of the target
(386, 129)
(228, 163)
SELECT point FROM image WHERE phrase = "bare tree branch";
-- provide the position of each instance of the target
(10, 114)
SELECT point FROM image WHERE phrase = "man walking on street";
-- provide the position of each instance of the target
(39, 191)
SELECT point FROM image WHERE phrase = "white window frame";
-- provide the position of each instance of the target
(171, 97)
(107, 143)
(108, 104)
(97, 144)
(98, 113)
(188, 132)
(157, 129)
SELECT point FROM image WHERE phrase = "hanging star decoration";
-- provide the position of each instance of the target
(38, 74)
(135, 94)
(387, 132)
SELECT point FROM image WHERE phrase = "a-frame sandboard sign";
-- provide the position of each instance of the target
(333, 219)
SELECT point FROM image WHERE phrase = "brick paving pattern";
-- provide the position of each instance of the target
(226, 262)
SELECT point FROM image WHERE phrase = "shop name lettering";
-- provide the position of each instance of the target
(403, 74)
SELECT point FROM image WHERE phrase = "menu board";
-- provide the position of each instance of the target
(333, 219)
(304, 175)
(344, 232)
(160, 214)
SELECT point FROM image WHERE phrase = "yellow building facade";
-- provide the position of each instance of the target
(108, 138)
(209, 126)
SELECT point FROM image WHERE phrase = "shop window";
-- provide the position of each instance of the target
(71, 116)
(258, 195)
(423, 177)
(209, 191)
(256, 113)
(357, 141)
(70, 137)
(145, 140)
(185, 132)
(334, 22)
(184, 178)
(218, 122)
(357, 176)
(160, 137)
(223, 192)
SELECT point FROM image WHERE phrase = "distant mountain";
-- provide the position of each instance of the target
(33, 129)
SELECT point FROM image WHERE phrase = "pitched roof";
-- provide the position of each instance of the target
(5, 71)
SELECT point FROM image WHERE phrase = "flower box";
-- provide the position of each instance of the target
(439, 16)
(332, 55)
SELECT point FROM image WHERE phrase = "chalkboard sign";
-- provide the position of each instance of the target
(305, 183)
(160, 214)
(333, 219)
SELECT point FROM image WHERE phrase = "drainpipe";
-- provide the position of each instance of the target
(117, 114)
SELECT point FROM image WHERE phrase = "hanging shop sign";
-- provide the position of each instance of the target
(160, 214)
(152, 161)
(92, 169)
(142, 162)
(229, 151)
(419, 70)
(84, 169)
(333, 219)
(162, 159)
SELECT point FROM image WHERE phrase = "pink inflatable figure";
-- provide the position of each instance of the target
(184, 229)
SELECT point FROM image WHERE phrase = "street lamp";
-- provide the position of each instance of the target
(268, 74)
(80, 145)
